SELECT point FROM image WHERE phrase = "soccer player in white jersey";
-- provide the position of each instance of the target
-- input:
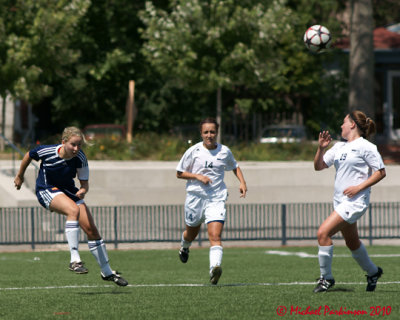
(56, 191)
(358, 167)
(204, 166)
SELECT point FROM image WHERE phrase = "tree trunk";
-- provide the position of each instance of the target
(361, 90)
(219, 113)
(130, 113)
(3, 122)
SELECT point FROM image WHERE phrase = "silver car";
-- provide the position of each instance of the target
(283, 134)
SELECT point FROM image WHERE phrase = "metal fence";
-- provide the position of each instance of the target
(165, 223)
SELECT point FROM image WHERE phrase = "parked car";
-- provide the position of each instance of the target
(100, 131)
(283, 134)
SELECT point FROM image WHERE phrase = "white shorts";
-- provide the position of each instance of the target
(199, 210)
(351, 211)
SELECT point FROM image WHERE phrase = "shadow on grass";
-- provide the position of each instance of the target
(95, 293)
(341, 290)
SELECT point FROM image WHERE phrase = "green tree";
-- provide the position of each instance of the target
(208, 46)
(97, 90)
(385, 12)
(250, 49)
(34, 46)
(77, 57)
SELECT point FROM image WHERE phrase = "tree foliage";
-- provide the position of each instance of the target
(35, 45)
(386, 12)
(74, 60)
(202, 46)
(252, 49)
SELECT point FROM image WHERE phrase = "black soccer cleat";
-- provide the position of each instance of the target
(372, 280)
(78, 267)
(324, 284)
(184, 254)
(116, 278)
(215, 274)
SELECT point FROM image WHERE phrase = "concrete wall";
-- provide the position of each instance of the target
(146, 183)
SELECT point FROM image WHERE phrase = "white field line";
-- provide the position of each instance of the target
(308, 255)
(272, 252)
(19, 259)
(262, 284)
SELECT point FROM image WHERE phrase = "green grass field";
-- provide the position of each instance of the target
(254, 285)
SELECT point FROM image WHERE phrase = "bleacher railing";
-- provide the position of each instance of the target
(165, 223)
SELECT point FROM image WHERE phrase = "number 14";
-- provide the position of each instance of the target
(208, 165)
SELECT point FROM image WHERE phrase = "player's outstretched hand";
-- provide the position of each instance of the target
(324, 139)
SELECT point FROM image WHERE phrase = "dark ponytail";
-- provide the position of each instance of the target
(366, 126)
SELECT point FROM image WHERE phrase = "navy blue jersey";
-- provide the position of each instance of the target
(56, 172)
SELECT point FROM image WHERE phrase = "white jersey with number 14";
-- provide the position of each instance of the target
(211, 163)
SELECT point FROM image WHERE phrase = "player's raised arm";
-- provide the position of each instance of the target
(324, 140)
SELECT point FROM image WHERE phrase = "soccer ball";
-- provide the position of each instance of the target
(317, 38)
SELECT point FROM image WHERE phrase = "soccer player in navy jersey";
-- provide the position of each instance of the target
(203, 166)
(56, 191)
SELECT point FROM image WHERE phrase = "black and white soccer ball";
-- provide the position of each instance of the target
(317, 38)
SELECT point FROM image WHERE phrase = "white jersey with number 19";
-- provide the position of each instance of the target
(211, 163)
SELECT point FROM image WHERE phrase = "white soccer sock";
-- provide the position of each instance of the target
(184, 243)
(99, 251)
(362, 258)
(215, 256)
(325, 255)
(72, 232)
